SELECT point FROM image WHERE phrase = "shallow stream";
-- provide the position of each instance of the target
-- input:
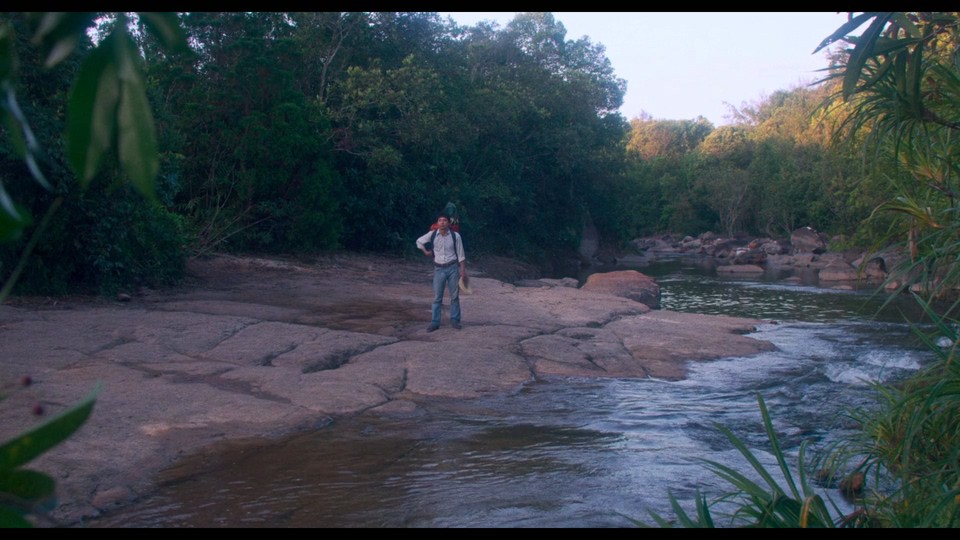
(562, 452)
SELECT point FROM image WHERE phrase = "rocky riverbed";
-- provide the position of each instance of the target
(254, 348)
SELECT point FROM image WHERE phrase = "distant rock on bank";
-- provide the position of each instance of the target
(806, 253)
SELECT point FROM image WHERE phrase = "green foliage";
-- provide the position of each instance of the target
(769, 173)
(107, 103)
(666, 138)
(900, 84)
(289, 131)
(108, 106)
(514, 126)
(791, 187)
(629, 205)
(730, 193)
(102, 239)
(126, 242)
(24, 492)
(13, 217)
(908, 445)
(397, 152)
(907, 449)
(80, 238)
(315, 223)
(898, 79)
(253, 159)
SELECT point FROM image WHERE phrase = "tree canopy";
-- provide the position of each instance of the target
(292, 132)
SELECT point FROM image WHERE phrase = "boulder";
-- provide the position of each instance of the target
(691, 244)
(658, 245)
(773, 247)
(724, 248)
(807, 240)
(627, 284)
(838, 270)
(740, 269)
(748, 255)
(872, 269)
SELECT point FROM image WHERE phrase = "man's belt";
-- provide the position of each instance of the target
(445, 265)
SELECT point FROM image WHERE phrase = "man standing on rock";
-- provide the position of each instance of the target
(450, 263)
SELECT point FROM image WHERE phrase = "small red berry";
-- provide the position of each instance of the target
(38, 409)
(26, 380)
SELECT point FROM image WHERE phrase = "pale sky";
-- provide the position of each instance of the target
(682, 65)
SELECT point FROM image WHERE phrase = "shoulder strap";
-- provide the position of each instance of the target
(454, 234)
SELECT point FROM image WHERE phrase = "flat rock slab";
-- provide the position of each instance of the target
(266, 348)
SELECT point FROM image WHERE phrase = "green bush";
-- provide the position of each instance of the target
(103, 241)
(908, 447)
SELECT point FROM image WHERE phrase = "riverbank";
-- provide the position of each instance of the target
(254, 348)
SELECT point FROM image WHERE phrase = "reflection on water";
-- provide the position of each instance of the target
(691, 288)
(561, 452)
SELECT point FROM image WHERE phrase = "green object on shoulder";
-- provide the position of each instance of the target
(450, 210)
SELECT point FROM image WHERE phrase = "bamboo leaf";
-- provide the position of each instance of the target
(8, 58)
(166, 26)
(862, 51)
(881, 71)
(885, 46)
(844, 30)
(38, 440)
(906, 206)
(704, 519)
(738, 480)
(681, 514)
(136, 140)
(92, 111)
(914, 78)
(58, 33)
(13, 218)
(28, 487)
(20, 133)
(805, 512)
(10, 519)
(901, 20)
(754, 462)
(801, 471)
(775, 445)
(703, 512)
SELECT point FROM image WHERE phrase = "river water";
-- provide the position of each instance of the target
(562, 452)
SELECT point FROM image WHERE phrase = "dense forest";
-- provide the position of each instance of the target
(300, 132)
(293, 133)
